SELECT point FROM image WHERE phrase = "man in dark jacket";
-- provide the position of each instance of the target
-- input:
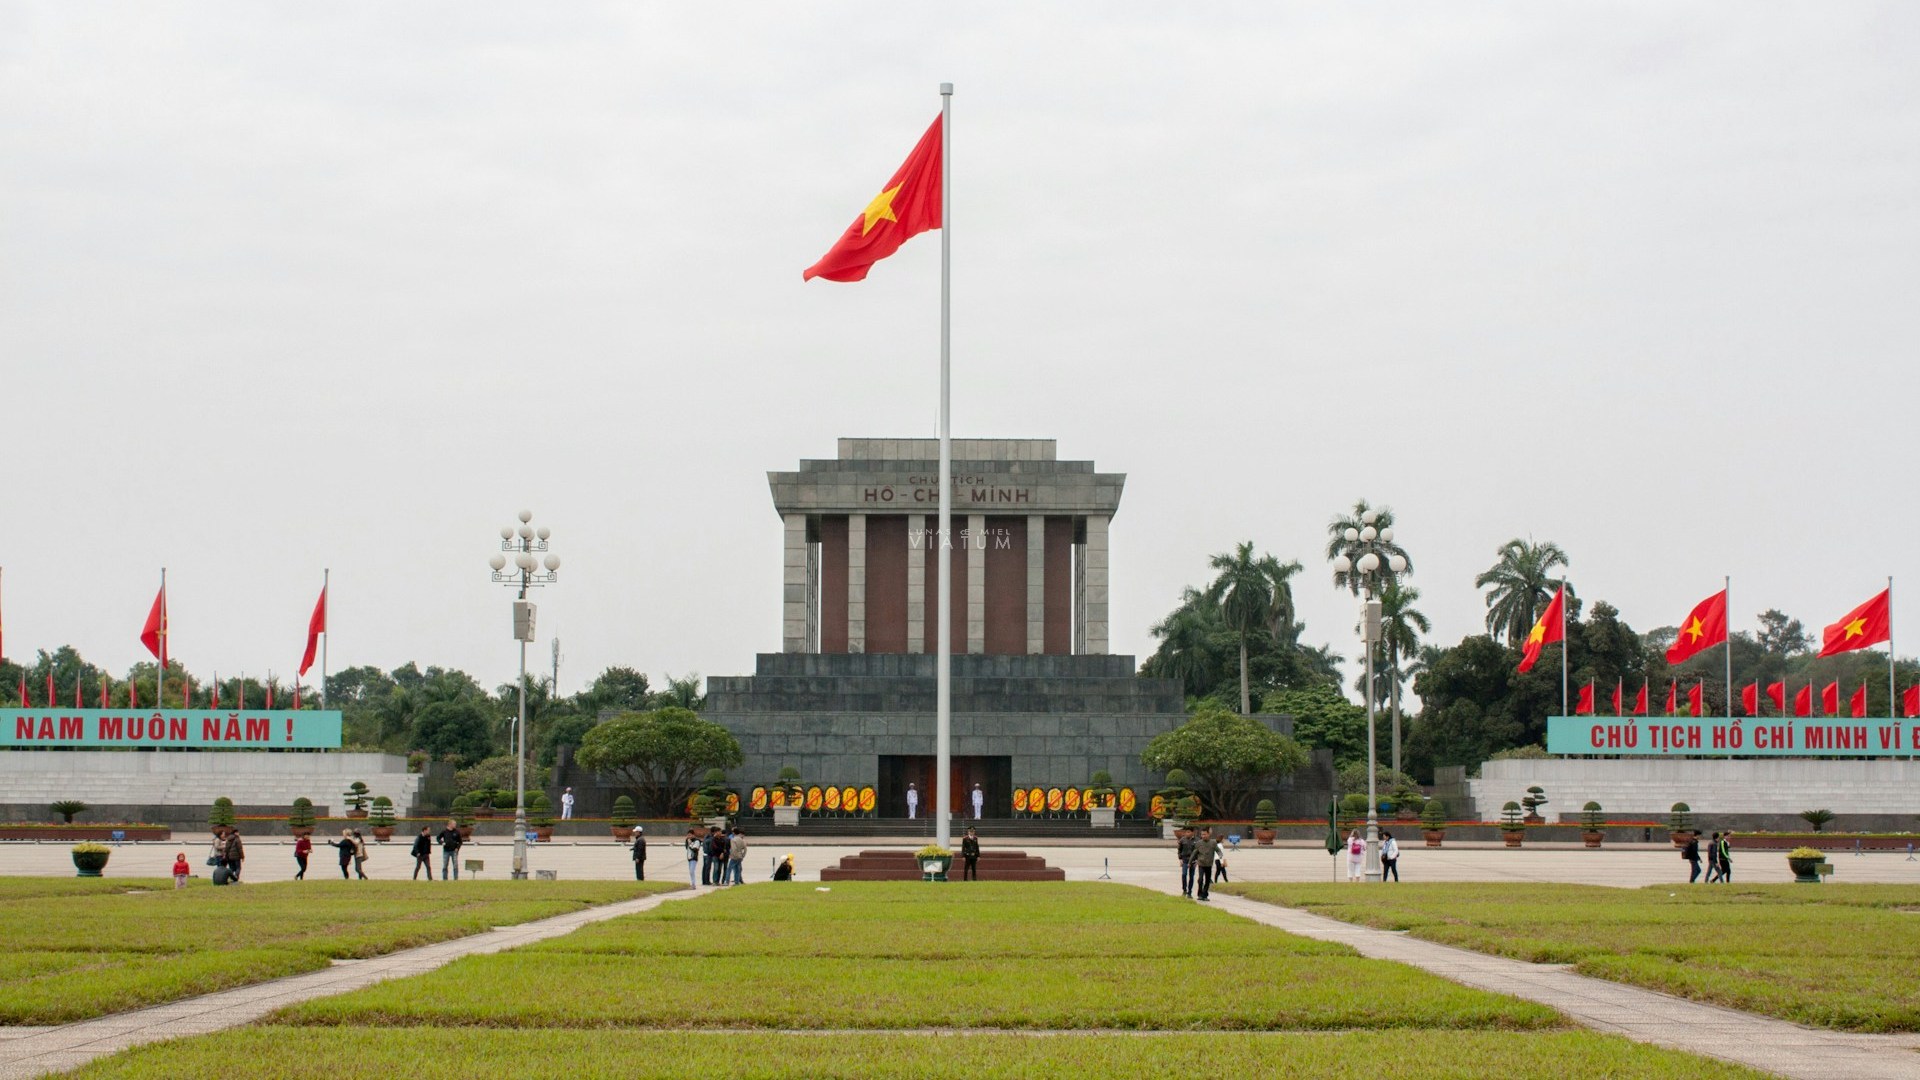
(639, 853)
(450, 841)
(1203, 852)
(1185, 849)
(423, 853)
(1691, 853)
(232, 853)
(970, 853)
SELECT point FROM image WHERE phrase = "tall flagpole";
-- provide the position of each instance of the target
(1893, 699)
(1726, 602)
(1564, 649)
(326, 628)
(943, 664)
(160, 680)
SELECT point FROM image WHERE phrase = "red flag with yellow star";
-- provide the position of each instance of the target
(1869, 624)
(908, 205)
(1703, 628)
(1546, 631)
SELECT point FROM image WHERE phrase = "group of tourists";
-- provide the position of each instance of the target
(1357, 856)
(1719, 858)
(354, 853)
(225, 856)
(1203, 859)
(715, 857)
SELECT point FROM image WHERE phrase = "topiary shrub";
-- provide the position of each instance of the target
(355, 798)
(382, 815)
(300, 816)
(1591, 819)
(1511, 818)
(222, 813)
(1680, 818)
(540, 810)
(1264, 815)
(623, 812)
(1435, 815)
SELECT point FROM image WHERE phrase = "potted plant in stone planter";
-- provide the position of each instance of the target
(1680, 824)
(1175, 802)
(1805, 862)
(934, 861)
(1433, 822)
(1532, 801)
(300, 817)
(1407, 804)
(355, 799)
(1592, 824)
(221, 816)
(1100, 804)
(623, 819)
(484, 801)
(540, 815)
(1513, 824)
(90, 858)
(710, 804)
(381, 818)
(788, 792)
(463, 815)
(1263, 823)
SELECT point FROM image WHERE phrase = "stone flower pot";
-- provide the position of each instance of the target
(1592, 837)
(383, 833)
(624, 834)
(1805, 871)
(90, 863)
(1513, 836)
(1264, 836)
(1434, 836)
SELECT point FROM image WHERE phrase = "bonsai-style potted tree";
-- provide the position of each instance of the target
(1407, 804)
(1805, 862)
(787, 794)
(1513, 824)
(382, 818)
(66, 808)
(1592, 824)
(540, 815)
(484, 801)
(356, 798)
(221, 816)
(1263, 823)
(1100, 807)
(1817, 819)
(934, 861)
(90, 858)
(623, 818)
(300, 817)
(1175, 802)
(1532, 801)
(1680, 824)
(463, 815)
(1433, 822)
(710, 804)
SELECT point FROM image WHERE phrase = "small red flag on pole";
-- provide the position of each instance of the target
(1859, 702)
(1673, 698)
(1777, 693)
(1640, 700)
(1584, 707)
(1619, 695)
(1830, 699)
(50, 702)
(1912, 701)
(1750, 698)
(1696, 699)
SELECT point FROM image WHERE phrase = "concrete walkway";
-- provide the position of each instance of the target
(27, 1051)
(1647, 1016)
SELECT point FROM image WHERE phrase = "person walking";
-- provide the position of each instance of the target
(566, 805)
(181, 870)
(1184, 848)
(346, 847)
(639, 853)
(359, 855)
(1713, 860)
(979, 801)
(694, 843)
(1691, 853)
(1219, 859)
(1203, 859)
(970, 856)
(423, 853)
(913, 802)
(1389, 856)
(302, 847)
(736, 855)
(1356, 855)
(232, 854)
(450, 841)
(1726, 857)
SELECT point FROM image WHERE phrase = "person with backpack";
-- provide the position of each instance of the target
(232, 854)
(423, 853)
(1356, 856)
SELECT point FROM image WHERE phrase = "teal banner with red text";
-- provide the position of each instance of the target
(1718, 736)
(201, 729)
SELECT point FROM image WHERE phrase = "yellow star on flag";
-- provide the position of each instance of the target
(1697, 630)
(880, 209)
(1538, 634)
(1856, 628)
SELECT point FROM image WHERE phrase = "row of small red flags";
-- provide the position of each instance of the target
(1749, 700)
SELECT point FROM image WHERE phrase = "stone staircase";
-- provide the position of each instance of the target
(901, 865)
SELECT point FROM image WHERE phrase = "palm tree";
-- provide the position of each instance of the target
(1401, 625)
(1519, 585)
(1382, 545)
(1251, 592)
(684, 692)
(1186, 649)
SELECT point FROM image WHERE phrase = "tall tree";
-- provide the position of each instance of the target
(1401, 625)
(1519, 584)
(659, 755)
(1782, 636)
(1252, 592)
(1381, 543)
(1231, 758)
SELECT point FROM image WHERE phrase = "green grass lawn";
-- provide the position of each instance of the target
(281, 1053)
(1841, 956)
(901, 955)
(73, 949)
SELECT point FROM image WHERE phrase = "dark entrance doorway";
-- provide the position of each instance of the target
(993, 774)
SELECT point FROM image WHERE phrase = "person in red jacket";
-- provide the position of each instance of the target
(181, 870)
(302, 847)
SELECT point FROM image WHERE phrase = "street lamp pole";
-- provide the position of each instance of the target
(523, 543)
(1367, 564)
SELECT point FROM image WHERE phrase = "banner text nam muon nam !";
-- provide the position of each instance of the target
(242, 729)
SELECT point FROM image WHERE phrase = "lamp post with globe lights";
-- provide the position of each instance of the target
(1367, 565)
(523, 571)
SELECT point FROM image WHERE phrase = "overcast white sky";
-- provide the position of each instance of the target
(290, 286)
